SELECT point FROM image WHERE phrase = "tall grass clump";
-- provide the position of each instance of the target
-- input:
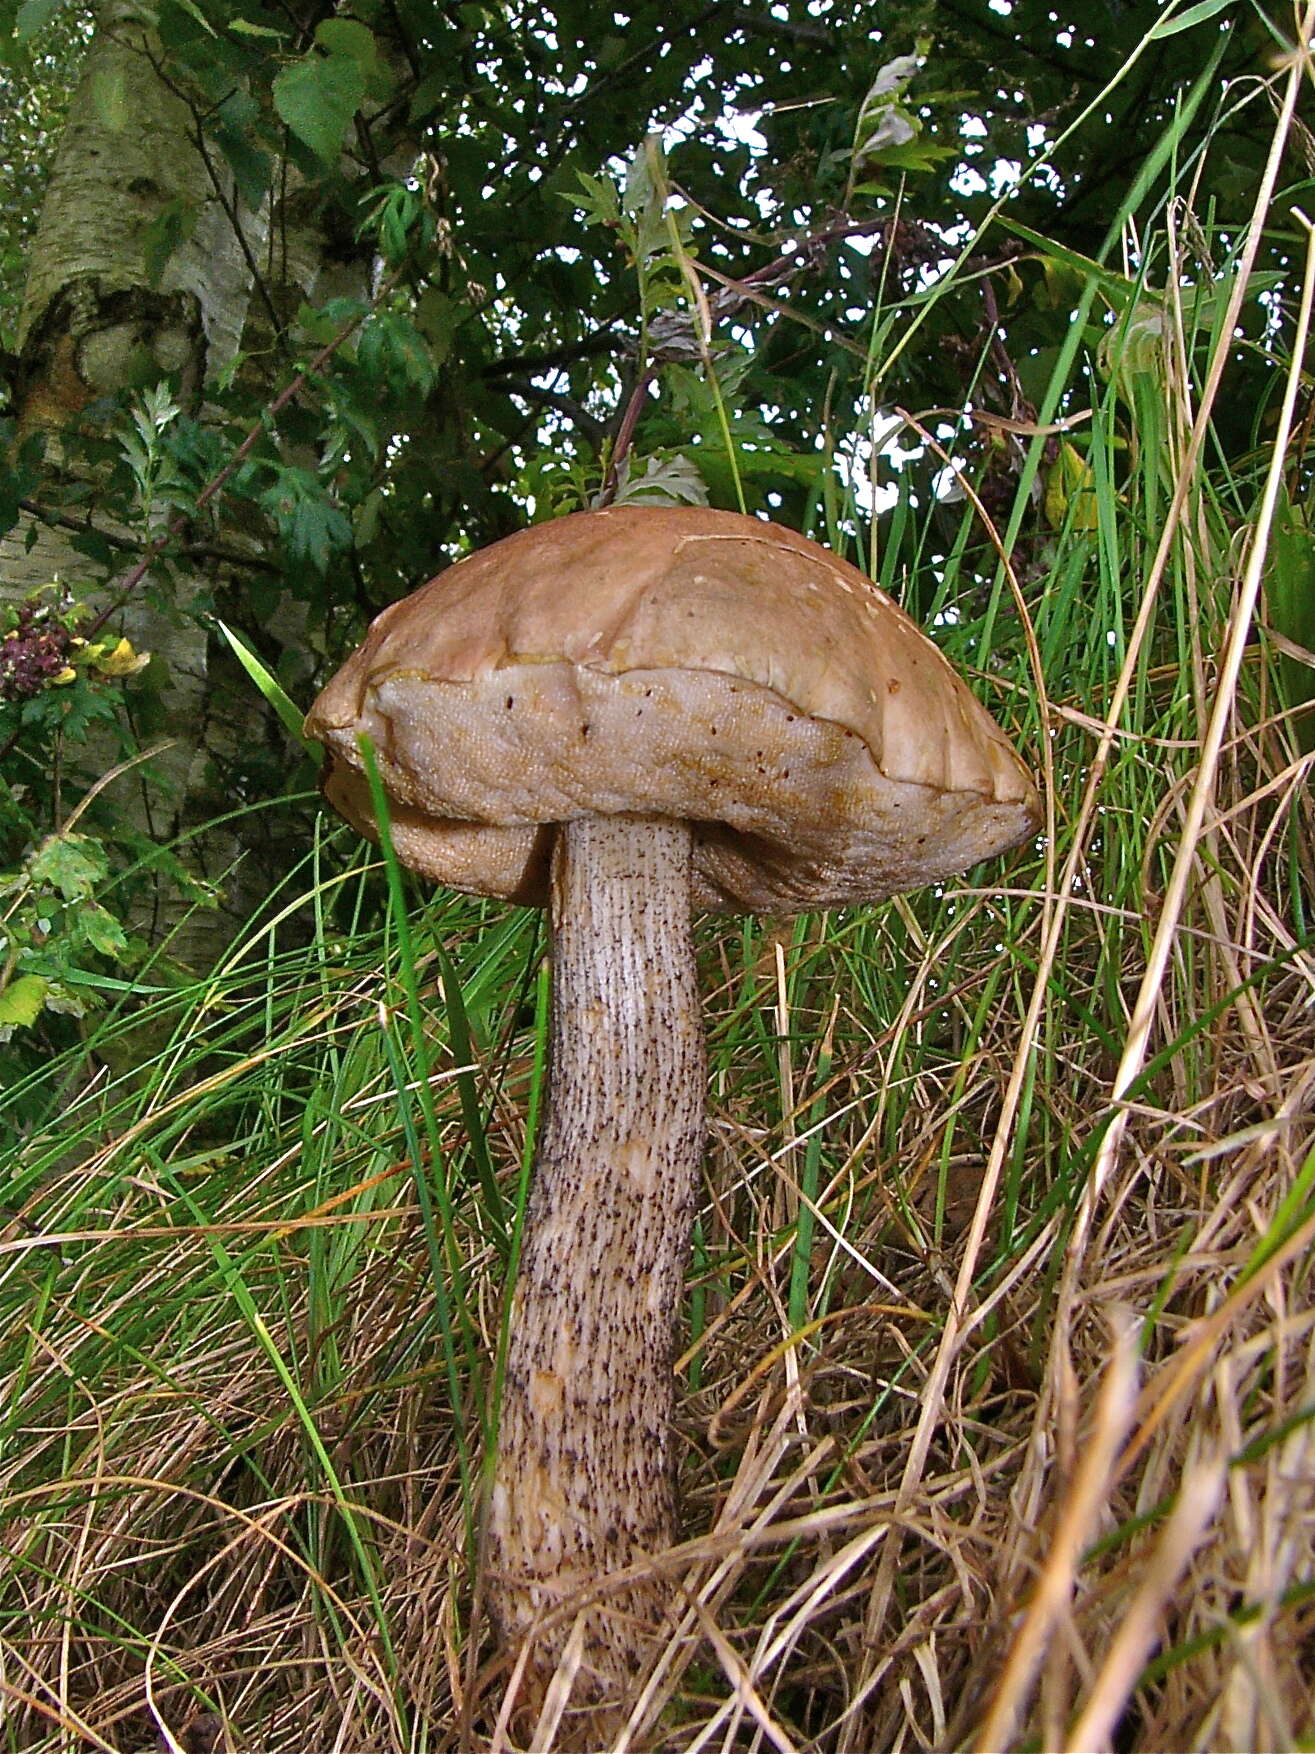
(998, 1387)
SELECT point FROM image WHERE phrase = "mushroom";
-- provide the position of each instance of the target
(628, 714)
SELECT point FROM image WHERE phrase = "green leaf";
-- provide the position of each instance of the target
(1069, 491)
(1169, 27)
(597, 199)
(438, 316)
(400, 219)
(347, 37)
(252, 169)
(102, 931)
(641, 190)
(311, 525)
(244, 27)
(393, 352)
(668, 480)
(194, 11)
(109, 99)
(1115, 288)
(289, 713)
(1290, 600)
(72, 864)
(34, 15)
(251, 166)
(317, 97)
(886, 128)
(22, 1000)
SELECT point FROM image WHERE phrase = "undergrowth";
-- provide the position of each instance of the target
(998, 1370)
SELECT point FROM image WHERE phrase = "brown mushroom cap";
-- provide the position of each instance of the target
(672, 662)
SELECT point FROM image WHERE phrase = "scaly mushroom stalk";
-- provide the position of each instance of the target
(584, 1482)
(679, 665)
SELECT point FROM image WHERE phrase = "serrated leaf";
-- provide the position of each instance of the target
(918, 154)
(596, 198)
(22, 1001)
(311, 525)
(392, 351)
(72, 864)
(318, 97)
(102, 931)
(668, 480)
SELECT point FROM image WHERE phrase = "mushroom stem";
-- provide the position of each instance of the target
(584, 1479)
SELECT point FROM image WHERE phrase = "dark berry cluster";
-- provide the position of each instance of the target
(35, 650)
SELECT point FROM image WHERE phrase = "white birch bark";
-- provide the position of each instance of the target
(92, 323)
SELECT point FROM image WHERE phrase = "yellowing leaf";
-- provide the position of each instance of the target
(22, 999)
(122, 660)
(1070, 493)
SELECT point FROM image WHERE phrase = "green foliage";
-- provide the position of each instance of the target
(34, 16)
(39, 64)
(272, 689)
(53, 931)
(526, 225)
(670, 479)
(320, 95)
(536, 218)
(1290, 599)
(394, 356)
(159, 483)
(57, 690)
(888, 135)
(318, 98)
(310, 526)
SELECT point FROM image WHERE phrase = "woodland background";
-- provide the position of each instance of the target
(998, 1384)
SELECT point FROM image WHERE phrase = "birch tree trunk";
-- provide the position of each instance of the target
(92, 323)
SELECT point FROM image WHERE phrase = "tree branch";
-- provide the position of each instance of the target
(133, 545)
(589, 424)
(600, 342)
